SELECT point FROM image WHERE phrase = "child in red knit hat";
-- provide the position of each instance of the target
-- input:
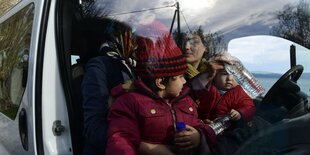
(150, 112)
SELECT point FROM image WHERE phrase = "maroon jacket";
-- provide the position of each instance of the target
(213, 105)
(143, 116)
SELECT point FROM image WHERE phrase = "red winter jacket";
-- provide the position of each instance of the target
(213, 105)
(143, 116)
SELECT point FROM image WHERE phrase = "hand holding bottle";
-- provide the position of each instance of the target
(187, 139)
(154, 149)
(220, 124)
(207, 121)
(244, 78)
(217, 63)
(235, 115)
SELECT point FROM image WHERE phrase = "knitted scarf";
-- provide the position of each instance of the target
(192, 71)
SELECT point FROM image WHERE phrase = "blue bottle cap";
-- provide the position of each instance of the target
(180, 126)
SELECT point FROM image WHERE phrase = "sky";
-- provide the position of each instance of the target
(267, 53)
(212, 14)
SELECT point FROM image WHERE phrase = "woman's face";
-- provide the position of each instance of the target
(194, 49)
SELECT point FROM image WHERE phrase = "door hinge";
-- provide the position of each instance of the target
(58, 128)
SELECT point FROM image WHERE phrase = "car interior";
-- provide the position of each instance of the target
(284, 106)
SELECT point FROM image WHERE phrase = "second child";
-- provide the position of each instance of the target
(226, 97)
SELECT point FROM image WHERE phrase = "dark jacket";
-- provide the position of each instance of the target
(143, 116)
(102, 74)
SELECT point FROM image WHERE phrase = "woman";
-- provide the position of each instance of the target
(113, 45)
(194, 51)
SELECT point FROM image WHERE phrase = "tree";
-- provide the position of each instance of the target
(6, 5)
(90, 8)
(294, 24)
(213, 41)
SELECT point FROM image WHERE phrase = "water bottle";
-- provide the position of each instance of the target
(220, 124)
(245, 79)
(180, 126)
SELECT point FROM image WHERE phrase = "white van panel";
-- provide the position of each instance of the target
(10, 141)
(3, 150)
(53, 99)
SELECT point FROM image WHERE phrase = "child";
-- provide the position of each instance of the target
(150, 112)
(226, 97)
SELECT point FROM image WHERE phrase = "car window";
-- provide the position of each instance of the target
(302, 57)
(285, 22)
(15, 34)
(7, 5)
(215, 18)
(74, 59)
(268, 58)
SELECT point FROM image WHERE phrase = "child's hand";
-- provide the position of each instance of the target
(235, 114)
(207, 121)
(187, 139)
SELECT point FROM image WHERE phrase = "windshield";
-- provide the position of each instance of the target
(167, 43)
(269, 57)
(266, 29)
(232, 19)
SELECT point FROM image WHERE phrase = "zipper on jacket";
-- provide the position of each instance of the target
(173, 114)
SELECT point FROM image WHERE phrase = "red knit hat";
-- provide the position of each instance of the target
(157, 54)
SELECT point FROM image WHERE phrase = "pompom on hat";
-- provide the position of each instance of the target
(157, 53)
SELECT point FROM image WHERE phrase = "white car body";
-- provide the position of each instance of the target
(43, 90)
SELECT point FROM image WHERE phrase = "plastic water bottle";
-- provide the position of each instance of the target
(220, 124)
(245, 79)
(180, 126)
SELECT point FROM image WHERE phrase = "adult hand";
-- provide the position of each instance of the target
(187, 139)
(202, 80)
(154, 149)
(217, 63)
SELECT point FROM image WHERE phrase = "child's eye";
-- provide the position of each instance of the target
(181, 76)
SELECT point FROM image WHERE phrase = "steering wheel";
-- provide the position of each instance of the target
(292, 74)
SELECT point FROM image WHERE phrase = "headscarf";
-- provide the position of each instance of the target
(119, 43)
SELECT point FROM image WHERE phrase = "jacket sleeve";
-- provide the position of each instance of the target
(237, 99)
(123, 131)
(245, 106)
(207, 103)
(95, 97)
